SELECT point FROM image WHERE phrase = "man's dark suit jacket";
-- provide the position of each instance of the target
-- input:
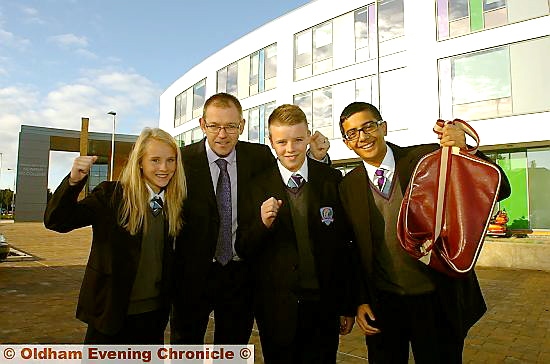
(114, 257)
(274, 252)
(461, 299)
(196, 245)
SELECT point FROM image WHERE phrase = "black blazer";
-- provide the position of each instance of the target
(196, 244)
(114, 257)
(274, 253)
(462, 300)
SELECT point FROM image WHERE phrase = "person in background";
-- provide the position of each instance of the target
(210, 275)
(401, 299)
(125, 293)
(297, 240)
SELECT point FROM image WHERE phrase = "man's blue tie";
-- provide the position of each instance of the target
(224, 248)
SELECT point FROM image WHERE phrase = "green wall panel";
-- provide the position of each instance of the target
(517, 205)
(476, 15)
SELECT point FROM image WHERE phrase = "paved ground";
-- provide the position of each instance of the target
(38, 299)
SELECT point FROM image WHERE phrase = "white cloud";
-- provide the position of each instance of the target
(93, 95)
(86, 53)
(69, 40)
(29, 11)
(8, 39)
(31, 15)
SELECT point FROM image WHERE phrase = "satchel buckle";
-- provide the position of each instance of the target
(426, 247)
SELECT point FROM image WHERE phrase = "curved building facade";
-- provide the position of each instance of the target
(484, 61)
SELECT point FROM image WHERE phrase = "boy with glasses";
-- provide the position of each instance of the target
(401, 299)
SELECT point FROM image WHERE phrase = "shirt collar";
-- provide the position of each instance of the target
(388, 163)
(285, 173)
(213, 157)
(153, 194)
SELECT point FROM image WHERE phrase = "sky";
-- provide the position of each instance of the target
(61, 60)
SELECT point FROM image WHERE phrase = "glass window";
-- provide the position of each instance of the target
(390, 19)
(98, 174)
(363, 89)
(177, 111)
(317, 105)
(254, 125)
(269, 107)
(232, 79)
(322, 112)
(530, 75)
(222, 80)
(496, 82)
(459, 17)
(365, 34)
(538, 170)
(270, 69)
(514, 165)
(258, 73)
(193, 97)
(199, 96)
(313, 51)
(254, 73)
(482, 77)
(196, 134)
(493, 4)
(179, 140)
(303, 49)
(304, 101)
(322, 42)
(458, 9)
(187, 137)
(258, 117)
(361, 28)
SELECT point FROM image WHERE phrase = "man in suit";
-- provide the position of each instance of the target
(297, 241)
(401, 299)
(211, 276)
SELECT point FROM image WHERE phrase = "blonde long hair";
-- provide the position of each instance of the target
(136, 197)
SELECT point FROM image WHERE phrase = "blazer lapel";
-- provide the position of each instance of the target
(404, 165)
(315, 183)
(244, 171)
(359, 213)
(277, 189)
(199, 168)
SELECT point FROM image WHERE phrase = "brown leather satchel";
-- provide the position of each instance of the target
(447, 206)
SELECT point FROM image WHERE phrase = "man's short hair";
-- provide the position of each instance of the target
(223, 100)
(356, 107)
(287, 114)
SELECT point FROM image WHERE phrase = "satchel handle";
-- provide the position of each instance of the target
(438, 129)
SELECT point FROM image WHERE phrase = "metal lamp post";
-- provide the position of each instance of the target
(112, 145)
(13, 194)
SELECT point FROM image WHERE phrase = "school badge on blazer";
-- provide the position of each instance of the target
(327, 215)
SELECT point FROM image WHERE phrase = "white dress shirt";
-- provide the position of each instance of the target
(388, 164)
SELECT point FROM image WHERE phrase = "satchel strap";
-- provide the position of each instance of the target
(438, 129)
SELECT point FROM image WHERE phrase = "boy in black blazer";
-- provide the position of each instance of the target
(205, 280)
(401, 299)
(297, 241)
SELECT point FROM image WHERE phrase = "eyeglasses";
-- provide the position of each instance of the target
(368, 128)
(229, 129)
